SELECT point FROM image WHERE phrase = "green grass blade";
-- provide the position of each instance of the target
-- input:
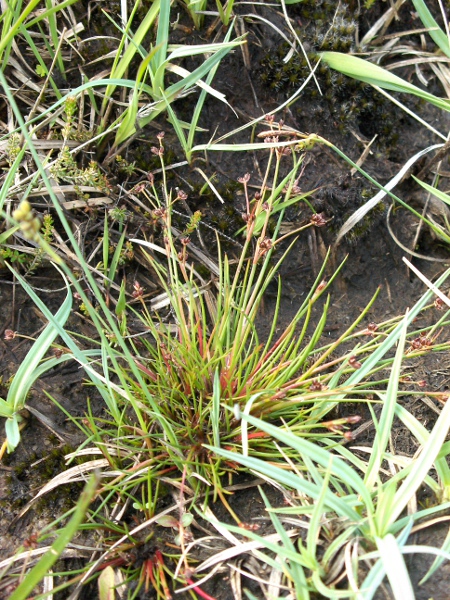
(55, 37)
(215, 409)
(423, 436)
(387, 415)
(317, 514)
(435, 32)
(392, 338)
(102, 317)
(58, 6)
(422, 464)
(121, 64)
(29, 371)
(363, 70)
(128, 124)
(12, 431)
(338, 468)
(441, 195)
(26, 373)
(438, 560)
(193, 78)
(162, 41)
(38, 57)
(5, 409)
(8, 233)
(395, 567)
(332, 501)
(11, 24)
(295, 569)
(112, 271)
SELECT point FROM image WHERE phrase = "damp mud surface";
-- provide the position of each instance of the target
(255, 82)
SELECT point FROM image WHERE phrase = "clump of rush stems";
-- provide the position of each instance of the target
(202, 354)
(209, 355)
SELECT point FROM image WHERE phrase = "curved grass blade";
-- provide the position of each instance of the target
(28, 372)
(363, 70)
(435, 32)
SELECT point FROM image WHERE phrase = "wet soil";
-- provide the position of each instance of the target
(374, 260)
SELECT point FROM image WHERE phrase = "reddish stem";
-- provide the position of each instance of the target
(199, 591)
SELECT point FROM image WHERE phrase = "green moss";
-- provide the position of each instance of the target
(344, 104)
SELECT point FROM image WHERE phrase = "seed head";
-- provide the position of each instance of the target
(319, 220)
(245, 179)
(354, 362)
(138, 291)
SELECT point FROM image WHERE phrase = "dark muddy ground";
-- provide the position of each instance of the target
(253, 88)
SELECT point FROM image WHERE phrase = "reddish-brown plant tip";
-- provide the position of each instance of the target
(245, 179)
(421, 342)
(354, 362)
(353, 419)
(295, 190)
(265, 245)
(319, 220)
(416, 344)
(32, 541)
(159, 213)
(316, 386)
(439, 304)
(138, 290)
(249, 526)
(285, 151)
(322, 285)
(9, 335)
(442, 398)
(138, 188)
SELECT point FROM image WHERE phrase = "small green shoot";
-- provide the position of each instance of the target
(195, 8)
(225, 10)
